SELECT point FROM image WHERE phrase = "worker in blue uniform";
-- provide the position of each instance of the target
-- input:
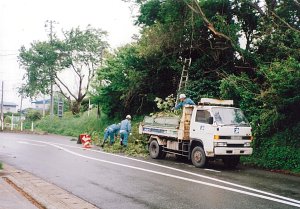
(125, 130)
(184, 101)
(111, 131)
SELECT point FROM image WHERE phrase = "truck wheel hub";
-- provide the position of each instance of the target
(197, 156)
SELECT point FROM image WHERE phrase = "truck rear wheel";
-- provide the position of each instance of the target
(198, 157)
(155, 150)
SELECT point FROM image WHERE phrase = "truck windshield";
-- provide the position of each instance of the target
(229, 116)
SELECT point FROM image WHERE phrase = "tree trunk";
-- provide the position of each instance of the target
(76, 107)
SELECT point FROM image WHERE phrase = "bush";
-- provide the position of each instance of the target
(33, 115)
(271, 101)
(281, 151)
(70, 125)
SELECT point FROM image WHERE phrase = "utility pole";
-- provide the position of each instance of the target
(51, 71)
(2, 118)
(51, 22)
(44, 106)
(89, 107)
(21, 109)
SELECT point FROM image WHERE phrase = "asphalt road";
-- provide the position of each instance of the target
(112, 181)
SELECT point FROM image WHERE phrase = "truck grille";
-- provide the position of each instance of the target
(236, 137)
(235, 145)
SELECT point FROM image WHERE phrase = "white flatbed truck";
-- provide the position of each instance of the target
(212, 129)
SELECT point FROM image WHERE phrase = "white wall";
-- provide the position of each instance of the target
(9, 109)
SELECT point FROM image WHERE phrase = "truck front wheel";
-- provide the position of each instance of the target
(155, 150)
(198, 157)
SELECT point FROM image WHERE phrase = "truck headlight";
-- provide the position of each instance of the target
(220, 144)
(247, 144)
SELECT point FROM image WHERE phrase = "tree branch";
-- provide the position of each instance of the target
(75, 70)
(65, 87)
(255, 6)
(284, 22)
(61, 91)
(272, 6)
(297, 3)
(210, 26)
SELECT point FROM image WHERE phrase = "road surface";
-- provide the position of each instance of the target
(112, 181)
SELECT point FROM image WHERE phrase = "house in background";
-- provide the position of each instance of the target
(41, 104)
(9, 107)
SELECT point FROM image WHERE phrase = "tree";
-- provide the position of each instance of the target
(79, 53)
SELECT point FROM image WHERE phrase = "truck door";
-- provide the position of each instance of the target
(201, 129)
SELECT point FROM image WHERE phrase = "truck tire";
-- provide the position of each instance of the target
(198, 157)
(155, 150)
(231, 161)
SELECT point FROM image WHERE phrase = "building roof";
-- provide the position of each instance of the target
(10, 104)
(47, 101)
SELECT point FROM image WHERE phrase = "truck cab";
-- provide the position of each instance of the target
(223, 132)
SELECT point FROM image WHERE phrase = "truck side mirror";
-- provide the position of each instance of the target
(210, 120)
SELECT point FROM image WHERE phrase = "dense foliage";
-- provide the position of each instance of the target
(248, 51)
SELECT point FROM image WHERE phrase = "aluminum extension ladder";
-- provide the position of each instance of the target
(184, 76)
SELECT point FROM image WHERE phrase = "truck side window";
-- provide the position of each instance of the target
(202, 116)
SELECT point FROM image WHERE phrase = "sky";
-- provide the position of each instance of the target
(23, 21)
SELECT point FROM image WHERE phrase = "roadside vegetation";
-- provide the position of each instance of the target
(73, 125)
(70, 125)
(240, 50)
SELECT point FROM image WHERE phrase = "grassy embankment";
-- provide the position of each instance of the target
(71, 125)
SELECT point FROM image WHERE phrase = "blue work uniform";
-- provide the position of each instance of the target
(186, 101)
(111, 131)
(125, 129)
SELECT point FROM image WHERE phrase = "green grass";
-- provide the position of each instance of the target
(1, 166)
(71, 125)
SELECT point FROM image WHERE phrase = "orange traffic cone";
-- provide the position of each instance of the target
(87, 144)
(86, 141)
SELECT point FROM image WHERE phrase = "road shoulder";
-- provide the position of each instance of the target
(47, 195)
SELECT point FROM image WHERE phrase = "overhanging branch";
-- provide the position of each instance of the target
(208, 24)
(284, 22)
(60, 81)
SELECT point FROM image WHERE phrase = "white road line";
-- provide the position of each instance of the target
(212, 170)
(38, 145)
(178, 177)
(182, 171)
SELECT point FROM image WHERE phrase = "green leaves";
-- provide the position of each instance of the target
(79, 53)
(167, 104)
(39, 62)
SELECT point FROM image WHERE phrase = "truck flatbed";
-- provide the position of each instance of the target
(161, 126)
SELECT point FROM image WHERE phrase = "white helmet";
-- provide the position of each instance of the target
(128, 117)
(182, 96)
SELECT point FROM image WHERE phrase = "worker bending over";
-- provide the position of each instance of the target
(125, 130)
(111, 131)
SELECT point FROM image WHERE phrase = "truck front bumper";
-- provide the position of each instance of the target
(233, 151)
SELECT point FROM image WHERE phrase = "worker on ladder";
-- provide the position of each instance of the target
(184, 101)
